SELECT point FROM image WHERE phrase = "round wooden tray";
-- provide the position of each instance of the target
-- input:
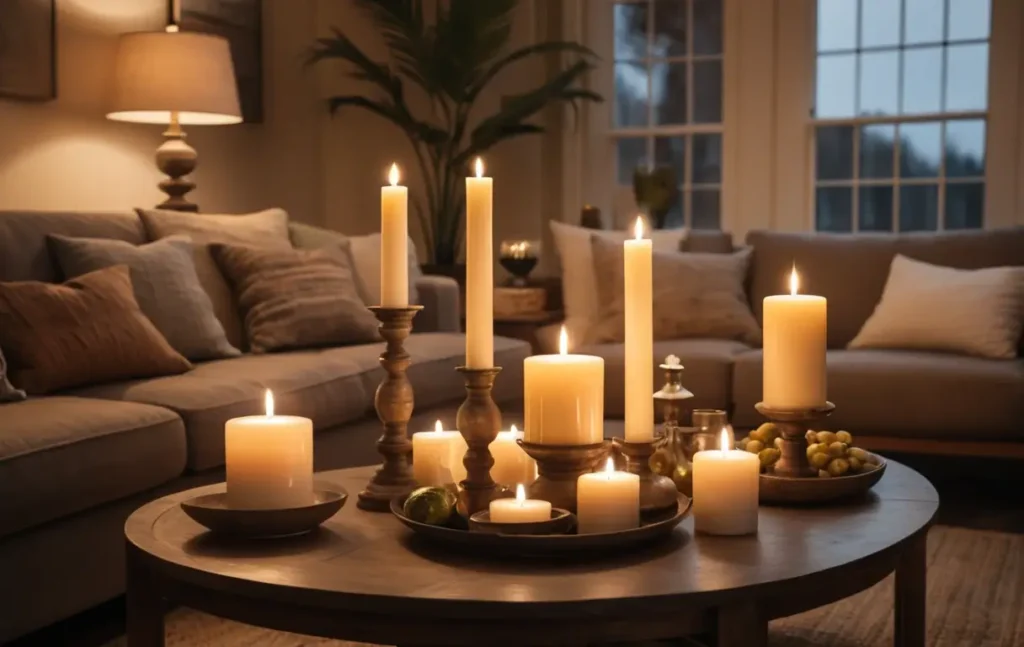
(780, 489)
(652, 528)
(212, 511)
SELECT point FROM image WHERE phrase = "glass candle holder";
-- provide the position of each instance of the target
(518, 257)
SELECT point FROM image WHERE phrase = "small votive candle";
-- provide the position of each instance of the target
(520, 509)
(725, 484)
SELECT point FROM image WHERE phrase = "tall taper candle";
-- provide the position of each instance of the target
(479, 270)
(639, 349)
(394, 243)
(795, 338)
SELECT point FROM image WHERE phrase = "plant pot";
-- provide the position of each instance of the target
(455, 271)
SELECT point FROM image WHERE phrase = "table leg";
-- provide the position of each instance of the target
(145, 605)
(741, 626)
(911, 580)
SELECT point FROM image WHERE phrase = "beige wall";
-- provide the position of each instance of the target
(63, 154)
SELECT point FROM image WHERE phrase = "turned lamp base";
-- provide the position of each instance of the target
(657, 492)
(793, 425)
(176, 159)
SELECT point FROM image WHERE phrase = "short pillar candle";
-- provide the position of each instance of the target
(607, 501)
(725, 490)
(563, 398)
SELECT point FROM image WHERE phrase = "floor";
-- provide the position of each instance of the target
(983, 494)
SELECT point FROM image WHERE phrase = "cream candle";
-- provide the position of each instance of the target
(563, 397)
(269, 460)
(639, 330)
(434, 455)
(725, 483)
(394, 243)
(519, 509)
(607, 501)
(511, 464)
(795, 328)
(479, 270)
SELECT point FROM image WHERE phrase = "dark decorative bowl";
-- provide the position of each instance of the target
(811, 489)
(212, 511)
(561, 522)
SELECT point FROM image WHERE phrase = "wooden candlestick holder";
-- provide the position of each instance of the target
(559, 467)
(478, 420)
(793, 425)
(394, 404)
(657, 492)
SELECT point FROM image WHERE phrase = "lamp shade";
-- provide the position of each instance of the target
(158, 73)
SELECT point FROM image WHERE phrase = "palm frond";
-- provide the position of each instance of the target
(560, 47)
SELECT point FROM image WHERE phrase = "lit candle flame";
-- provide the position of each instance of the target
(438, 427)
(171, 29)
(638, 228)
(520, 494)
(609, 466)
(794, 281)
(478, 166)
(393, 175)
(514, 430)
(268, 403)
(723, 440)
(563, 342)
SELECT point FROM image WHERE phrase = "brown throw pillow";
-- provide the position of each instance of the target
(85, 331)
(295, 298)
(695, 295)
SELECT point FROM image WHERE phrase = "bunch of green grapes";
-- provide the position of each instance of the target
(832, 453)
(766, 442)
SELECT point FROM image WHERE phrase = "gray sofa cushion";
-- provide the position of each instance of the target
(60, 455)
(907, 393)
(327, 389)
(850, 270)
(165, 284)
(24, 254)
(434, 357)
(707, 373)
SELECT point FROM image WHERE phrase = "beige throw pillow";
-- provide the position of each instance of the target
(930, 307)
(579, 285)
(262, 229)
(695, 295)
(295, 298)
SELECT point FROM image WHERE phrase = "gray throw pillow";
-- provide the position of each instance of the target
(165, 284)
(295, 298)
(7, 391)
(695, 295)
(267, 228)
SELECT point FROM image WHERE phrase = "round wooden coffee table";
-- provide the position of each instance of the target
(364, 577)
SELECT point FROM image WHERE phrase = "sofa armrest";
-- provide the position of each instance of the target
(439, 296)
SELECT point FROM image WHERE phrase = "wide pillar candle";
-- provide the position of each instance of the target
(725, 490)
(394, 243)
(479, 270)
(563, 398)
(607, 501)
(269, 460)
(795, 339)
(437, 456)
(639, 349)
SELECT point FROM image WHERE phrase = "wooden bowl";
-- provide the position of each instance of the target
(561, 522)
(781, 489)
(212, 511)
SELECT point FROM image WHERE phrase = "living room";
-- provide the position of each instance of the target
(733, 290)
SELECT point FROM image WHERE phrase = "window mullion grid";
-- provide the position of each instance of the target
(687, 205)
(648, 64)
(896, 185)
(940, 208)
(855, 181)
(897, 179)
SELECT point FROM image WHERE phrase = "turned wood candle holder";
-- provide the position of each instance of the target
(559, 467)
(793, 425)
(394, 404)
(478, 420)
(657, 492)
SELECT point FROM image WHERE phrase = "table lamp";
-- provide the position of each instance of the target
(175, 78)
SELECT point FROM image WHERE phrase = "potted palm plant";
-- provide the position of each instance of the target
(450, 55)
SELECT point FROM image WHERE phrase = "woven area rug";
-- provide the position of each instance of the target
(975, 599)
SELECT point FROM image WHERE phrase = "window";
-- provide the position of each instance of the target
(901, 105)
(667, 108)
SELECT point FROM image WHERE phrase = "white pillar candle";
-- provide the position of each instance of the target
(607, 501)
(434, 456)
(795, 328)
(563, 397)
(639, 316)
(725, 483)
(479, 270)
(519, 509)
(511, 464)
(269, 460)
(394, 243)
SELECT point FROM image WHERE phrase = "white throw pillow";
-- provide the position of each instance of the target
(579, 283)
(930, 307)
(365, 252)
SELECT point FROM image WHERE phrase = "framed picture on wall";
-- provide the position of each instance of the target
(27, 57)
(241, 23)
